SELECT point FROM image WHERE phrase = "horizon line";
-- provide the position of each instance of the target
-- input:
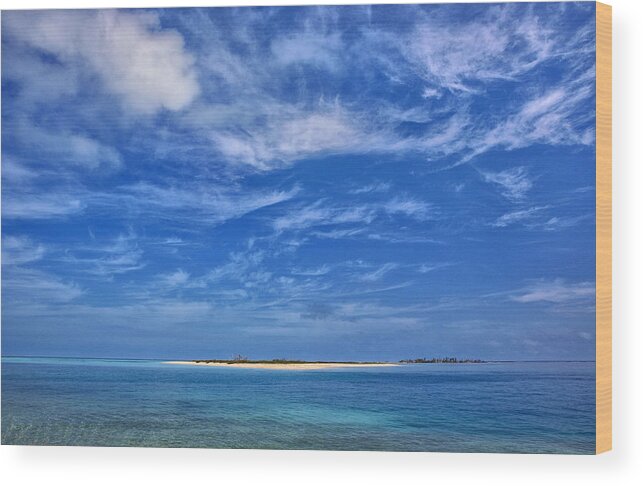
(384, 361)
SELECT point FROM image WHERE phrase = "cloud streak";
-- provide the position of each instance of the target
(556, 291)
(514, 183)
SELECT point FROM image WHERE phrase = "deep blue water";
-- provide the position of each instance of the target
(491, 407)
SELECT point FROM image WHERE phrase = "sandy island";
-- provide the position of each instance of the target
(284, 366)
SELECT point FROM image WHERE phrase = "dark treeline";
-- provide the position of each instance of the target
(440, 360)
(238, 358)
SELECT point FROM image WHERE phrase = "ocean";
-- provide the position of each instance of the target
(520, 407)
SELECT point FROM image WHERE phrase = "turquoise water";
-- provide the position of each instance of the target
(491, 407)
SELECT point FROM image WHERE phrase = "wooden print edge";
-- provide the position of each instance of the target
(603, 227)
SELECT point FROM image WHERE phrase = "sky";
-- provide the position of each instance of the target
(363, 182)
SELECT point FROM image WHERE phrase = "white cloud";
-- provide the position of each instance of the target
(514, 182)
(17, 250)
(556, 291)
(534, 218)
(549, 118)
(377, 274)
(40, 81)
(287, 138)
(245, 117)
(16, 173)
(60, 148)
(319, 215)
(149, 314)
(106, 258)
(253, 125)
(372, 188)
(148, 67)
(303, 218)
(494, 46)
(337, 234)
(412, 208)
(199, 203)
(402, 238)
(174, 279)
(207, 203)
(312, 272)
(426, 268)
(40, 206)
(516, 216)
(562, 222)
(22, 285)
(242, 267)
(308, 48)
(459, 187)
(430, 93)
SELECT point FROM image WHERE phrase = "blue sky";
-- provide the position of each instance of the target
(318, 183)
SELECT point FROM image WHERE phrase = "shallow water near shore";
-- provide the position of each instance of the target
(545, 407)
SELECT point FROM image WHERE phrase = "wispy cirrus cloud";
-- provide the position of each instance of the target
(57, 150)
(41, 206)
(410, 207)
(539, 218)
(552, 118)
(556, 291)
(514, 183)
(15, 173)
(174, 279)
(518, 216)
(494, 46)
(318, 214)
(246, 117)
(321, 213)
(24, 285)
(208, 203)
(562, 222)
(309, 47)
(106, 258)
(378, 273)
(337, 234)
(201, 203)
(284, 138)
(312, 272)
(265, 130)
(18, 250)
(372, 188)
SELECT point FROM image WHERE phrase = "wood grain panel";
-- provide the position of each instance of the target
(603, 227)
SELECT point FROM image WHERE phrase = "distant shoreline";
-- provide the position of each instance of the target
(167, 360)
(305, 365)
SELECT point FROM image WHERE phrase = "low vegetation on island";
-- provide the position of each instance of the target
(446, 360)
(239, 359)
